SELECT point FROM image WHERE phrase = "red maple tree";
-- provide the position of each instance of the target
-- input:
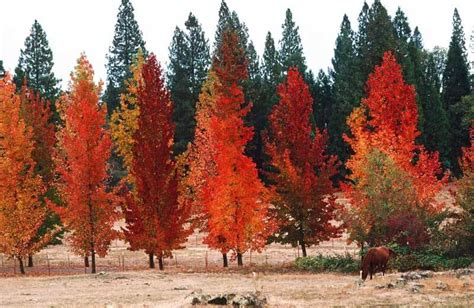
(235, 200)
(306, 204)
(156, 221)
(90, 210)
(386, 123)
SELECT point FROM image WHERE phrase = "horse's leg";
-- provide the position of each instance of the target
(371, 269)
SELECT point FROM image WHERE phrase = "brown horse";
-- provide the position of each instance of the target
(375, 260)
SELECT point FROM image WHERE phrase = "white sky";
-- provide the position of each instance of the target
(73, 26)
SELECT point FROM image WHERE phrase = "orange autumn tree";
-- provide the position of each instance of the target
(90, 210)
(383, 133)
(306, 205)
(198, 165)
(156, 221)
(21, 188)
(236, 202)
(37, 114)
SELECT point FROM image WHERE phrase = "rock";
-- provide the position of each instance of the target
(120, 277)
(400, 282)
(147, 283)
(463, 272)
(411, 276)
(101, 273)
(426, 274)
(180, 288)
(466, 285)
(390, 285)
(441, 285)
(236, 300)
(380, 286)
(416, 288)
(359, 282)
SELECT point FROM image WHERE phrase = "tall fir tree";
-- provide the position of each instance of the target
(35, 67)
(375, 36)
(2, 69)
(323, 100)
(436, 125)
(189, 62)
(291, 48)
(127, 40)
(403, 36)
(230, 19)
(455, 86)
(344, 96)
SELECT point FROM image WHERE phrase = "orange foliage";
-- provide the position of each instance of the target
(90, 210)
(235, 201)
(22, 211)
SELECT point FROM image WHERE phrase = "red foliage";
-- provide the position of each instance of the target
(387, 121)
(84, 149)
(37, 114)
(155, 219)
(407, 229)
(306, 204)
(235, 200)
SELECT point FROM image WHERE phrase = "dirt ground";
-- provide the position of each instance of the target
(149, 288)
(271, 273)
(58, 279)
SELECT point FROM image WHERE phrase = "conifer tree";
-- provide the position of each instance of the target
(230, 19)
(2, 69)
(291, 48)
(35, 67)
(455, 86)
(127, 40)
(323, 100)
(189, 62)
(345, 97)
(375, 36)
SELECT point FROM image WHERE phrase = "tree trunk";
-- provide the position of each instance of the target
(30, 261)
(239, 259)
(151, 260)
(303, 248)
(93, 261)
(224, 259)
(160, 263)
(22, 268)
(86, 261)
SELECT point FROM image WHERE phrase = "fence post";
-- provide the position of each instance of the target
(49, 267)
(123, 261)
(14, 265)
(176, 260)
(250, 262)
(206, 260)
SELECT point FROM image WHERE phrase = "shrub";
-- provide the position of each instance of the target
(337, 263)
(428, 260)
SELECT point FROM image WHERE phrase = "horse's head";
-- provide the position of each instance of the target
(391, 253)
(365, 272)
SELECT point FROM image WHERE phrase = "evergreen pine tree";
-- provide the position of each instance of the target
(455, 86)
(345, 98)
(291, 49)
(403, 36)
(189, 62)
(2, 70)
(127, 40)
(323, 99)
(436, 125)
(376, 36)
(230, 19)
(35, 66)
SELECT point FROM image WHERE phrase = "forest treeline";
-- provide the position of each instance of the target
(246, 149)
